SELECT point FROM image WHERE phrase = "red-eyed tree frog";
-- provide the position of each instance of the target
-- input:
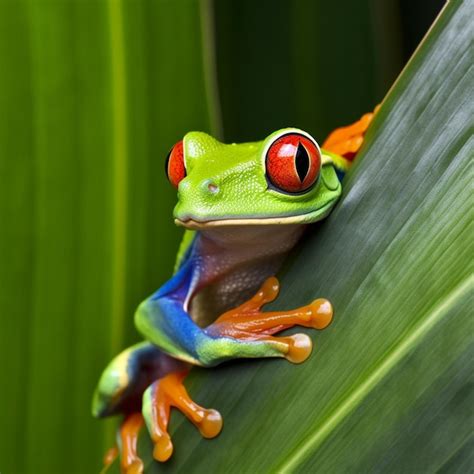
(244, 207)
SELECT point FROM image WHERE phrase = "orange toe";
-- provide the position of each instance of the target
(321, 313)
(300, 347)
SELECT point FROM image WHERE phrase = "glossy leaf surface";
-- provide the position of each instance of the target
(93, 94)
(388, 387)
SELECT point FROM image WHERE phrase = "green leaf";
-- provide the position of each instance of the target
(92, 98)
(388, 387)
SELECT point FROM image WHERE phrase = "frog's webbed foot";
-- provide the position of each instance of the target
(158, 399)
(130, 463)
(346, 141)
(248, 323)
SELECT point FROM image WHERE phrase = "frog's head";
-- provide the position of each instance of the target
(284, 179)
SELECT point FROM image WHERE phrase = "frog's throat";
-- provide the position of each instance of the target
(307, 218)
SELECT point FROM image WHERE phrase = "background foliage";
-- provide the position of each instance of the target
(92, 95)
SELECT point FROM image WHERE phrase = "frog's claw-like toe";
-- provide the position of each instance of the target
(130, 463)
(158, 399)
(347, 141)
(248, 321)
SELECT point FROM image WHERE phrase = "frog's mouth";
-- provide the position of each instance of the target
(308, 218)
(196, 224)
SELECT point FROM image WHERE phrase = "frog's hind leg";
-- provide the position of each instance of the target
(254, 329)
(120, 390)
(158, 400)
(124, 380)
(346, 141)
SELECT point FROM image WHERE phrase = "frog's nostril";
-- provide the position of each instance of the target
(210, 186)
(213, 188)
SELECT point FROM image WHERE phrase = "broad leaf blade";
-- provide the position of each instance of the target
(92, 98)
(386, 388)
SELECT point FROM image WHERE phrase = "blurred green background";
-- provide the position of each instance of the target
(92, 95)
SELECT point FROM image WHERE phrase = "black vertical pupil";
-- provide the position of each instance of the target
(302, 162)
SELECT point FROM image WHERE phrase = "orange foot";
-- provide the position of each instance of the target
(248, 322)
(346, 141)
(168, 392)
(130, 463)
(158, 399)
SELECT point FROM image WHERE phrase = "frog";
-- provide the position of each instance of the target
(243, 208)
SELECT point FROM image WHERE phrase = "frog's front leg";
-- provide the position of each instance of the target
(248, 323)
(244, 332)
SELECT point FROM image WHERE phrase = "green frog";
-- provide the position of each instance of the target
(243, 207)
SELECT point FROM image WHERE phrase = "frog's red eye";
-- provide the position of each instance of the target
(292, 163)
(175, 167)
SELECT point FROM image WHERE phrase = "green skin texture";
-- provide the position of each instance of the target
(238, 171)
(225, 186)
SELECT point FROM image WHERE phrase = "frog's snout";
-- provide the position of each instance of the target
(197, 200)
(208, 187)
